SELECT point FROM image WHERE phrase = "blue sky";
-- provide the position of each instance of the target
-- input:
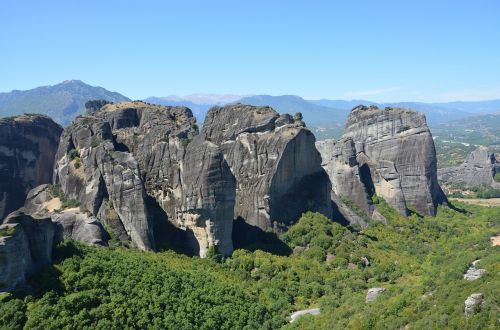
(378, 50)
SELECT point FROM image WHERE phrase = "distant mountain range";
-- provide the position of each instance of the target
(62, 102)
(66, 100)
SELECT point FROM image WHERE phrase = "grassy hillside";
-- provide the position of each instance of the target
(420, 262)
(62, 102)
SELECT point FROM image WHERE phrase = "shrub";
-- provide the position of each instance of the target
(95, 141)
(9, 231)
(73, 153)
(185, 142)
(497, 177)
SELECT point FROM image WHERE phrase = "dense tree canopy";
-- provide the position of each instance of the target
(419, 260)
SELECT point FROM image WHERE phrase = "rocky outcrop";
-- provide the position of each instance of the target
(373, 293)
(473, 304)
(28, 144)
(478, 169)
(388, 152)
(474, 273)
(25, 247)
(138, 167)
(295, 315)
(274, 161)
(69, 223)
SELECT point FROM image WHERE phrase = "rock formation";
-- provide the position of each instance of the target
(138, 167)
(28, 144)
(373, 293)
(273, 158)
(388, 152)
(473, 304)
(69, 223)
(478, 169)
(474, 273)
(25, 247)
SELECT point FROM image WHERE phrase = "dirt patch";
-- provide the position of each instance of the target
(495, 240)
(73, 209)
(53, 204)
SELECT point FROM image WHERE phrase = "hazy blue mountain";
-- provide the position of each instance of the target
(198, 103)
(341, 104)
(435, 113)
(62, 102)
(314, 115)
(489, 106)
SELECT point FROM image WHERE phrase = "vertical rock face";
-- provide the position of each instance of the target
(478, 169)
(25, 247)
(273, 158)
(137, 167)
(209, 191)
(28, 144)
(389, 152)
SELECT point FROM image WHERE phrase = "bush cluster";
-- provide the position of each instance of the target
(419, 260)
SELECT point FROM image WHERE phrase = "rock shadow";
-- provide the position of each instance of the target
(165, 234)
(252, 238)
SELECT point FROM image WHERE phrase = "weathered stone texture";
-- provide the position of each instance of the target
(388, 152)
(274, 161)
(28, 144)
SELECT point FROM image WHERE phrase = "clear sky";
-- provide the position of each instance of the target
(381, 50)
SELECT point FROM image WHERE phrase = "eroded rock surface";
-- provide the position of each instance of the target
(388, 152)
(473, 304)
(138, 167)
(274, 161)
(25, 247)
(474, 273)
(28, 144)
(478, 169)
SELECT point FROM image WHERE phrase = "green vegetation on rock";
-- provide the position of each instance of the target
(7, 231)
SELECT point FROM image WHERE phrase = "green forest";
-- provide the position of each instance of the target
(420, 261)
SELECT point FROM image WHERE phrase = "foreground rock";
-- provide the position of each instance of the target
(373, 294)
(26, 245)
(297, 314)
(388, 152)
(70, 223)
(28, 144)
(139, 168)
(473, 304)
(478, 169)
(274, 161)
(474, 273)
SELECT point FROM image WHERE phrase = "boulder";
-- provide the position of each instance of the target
(473, 304)
(388, 152)
(373, 294)
(274, 161)
(28, 144)
(478, 169)
(474, 273)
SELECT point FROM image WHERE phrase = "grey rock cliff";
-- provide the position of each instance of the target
(28, 144)
(27, 250)
(478, 169)
(388, 152)
(141, 168)
(274, 161)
